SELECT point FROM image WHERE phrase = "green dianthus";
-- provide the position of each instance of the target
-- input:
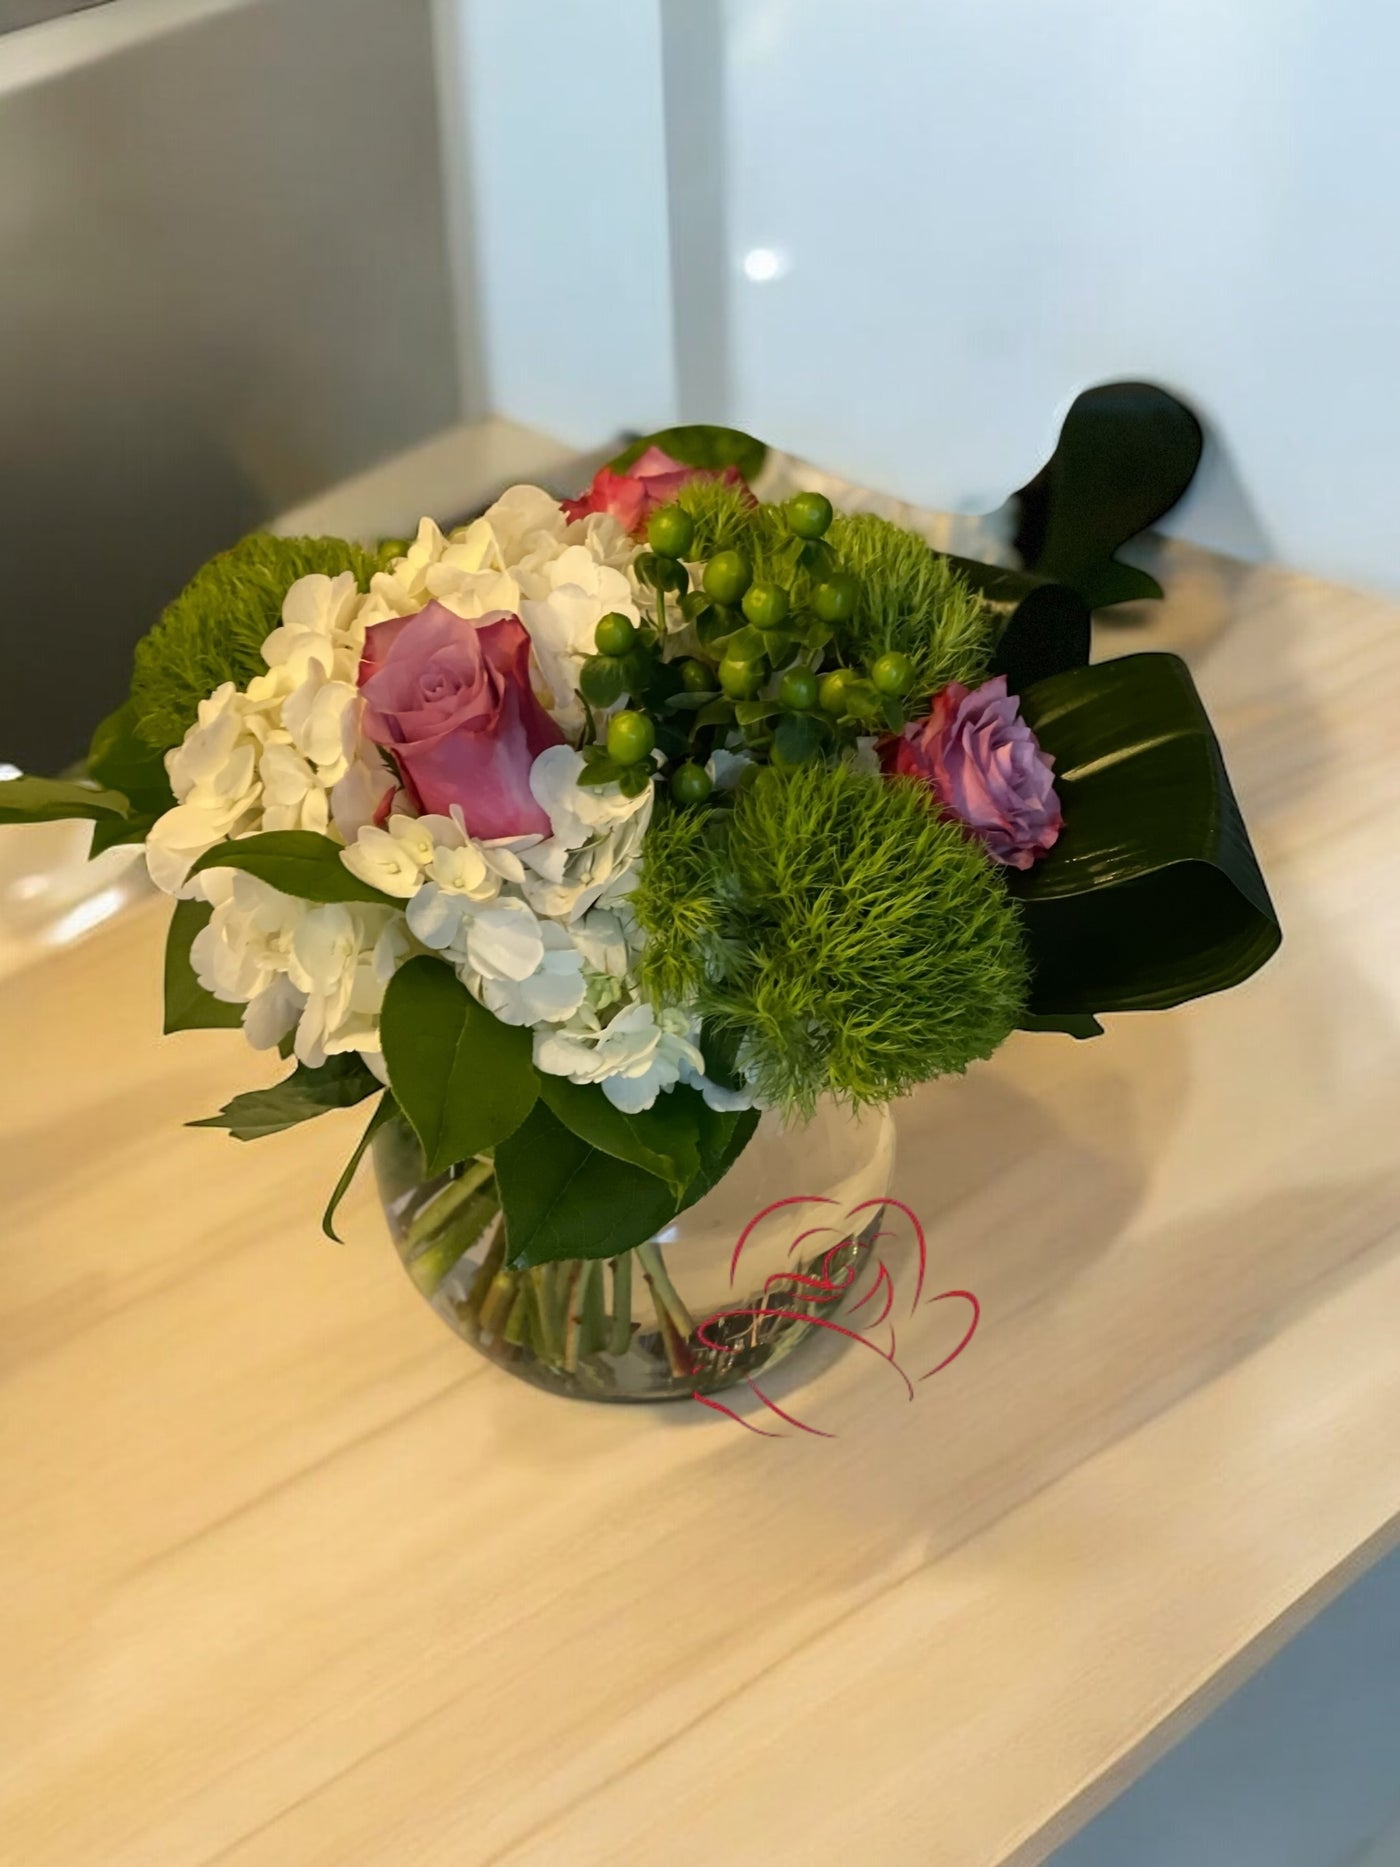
(853, 943)
(215, 628)
(911, 602)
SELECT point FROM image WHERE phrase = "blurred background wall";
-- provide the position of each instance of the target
(251, 246)
(226, 284)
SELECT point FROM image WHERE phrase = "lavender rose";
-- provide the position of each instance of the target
(451, 701)
(987, 770)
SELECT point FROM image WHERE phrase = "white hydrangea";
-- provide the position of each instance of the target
(536, 927)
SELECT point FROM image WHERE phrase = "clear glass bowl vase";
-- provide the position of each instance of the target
(727, 1288)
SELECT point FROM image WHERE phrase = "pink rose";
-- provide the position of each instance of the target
(984, 765)
(652, 480)
(451, 701)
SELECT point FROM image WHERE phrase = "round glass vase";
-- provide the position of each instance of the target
(727, 1288)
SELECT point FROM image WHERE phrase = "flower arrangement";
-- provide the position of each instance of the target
(578, 835)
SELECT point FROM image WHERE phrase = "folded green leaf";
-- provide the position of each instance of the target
(700, 445)
(1127, 452)
(338, 1083)
(107, 832)
(663, 1140)
(384, 1111)
(464, 1080)
(564, 1198)
(188, 1007)
(1152, 894)
(51, 800)
(121, 758)
(298, 862)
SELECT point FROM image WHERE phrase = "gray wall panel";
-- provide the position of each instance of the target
(225, 285)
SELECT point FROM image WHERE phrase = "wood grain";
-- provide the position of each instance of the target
(287, 1576)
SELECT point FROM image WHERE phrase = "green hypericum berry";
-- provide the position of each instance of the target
(835, 599)
(671, 531)
(697, 677)
(832, 692)
(798, 690)
(614, 634)
(631, 737)
(727, 576)
(766, 605)
(893, 674)
(741, 680)
(809, 514)
(691, 784)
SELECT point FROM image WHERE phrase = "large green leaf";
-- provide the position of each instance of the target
(699, 444)
(1126, 454)
(464, 1080)
(51, 800)
(121, 758)
(663, 1140)
(188, 1007)
(564, 1198)
(384, 1111)
(1152, 894)
(298, 862)
(338, 1083)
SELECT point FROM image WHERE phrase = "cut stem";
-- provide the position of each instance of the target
(620, 1333)
(663, 1290)
(428, 1219)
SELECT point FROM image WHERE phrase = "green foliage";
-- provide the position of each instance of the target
(1152, 894)
(852, 942)
(215, 628)
(662, 1140)
(566, 1196)
(297, 862)
(384, 1111)
(338, 1083)
(911, 602)
(726, 519)
(118, 756)
(700, 444)
(464, 1080)
(677, 902)
(49, 800)
(188, 1007)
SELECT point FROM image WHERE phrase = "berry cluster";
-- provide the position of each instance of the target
(770, 666)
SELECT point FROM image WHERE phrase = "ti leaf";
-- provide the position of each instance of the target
(384, 1111)
(663, 1140)
(51, 800)
(565, 1198)
(339, 1083)
(464, 1080)
(700, 445)
(298, 862)
(1152, 894)
(1126, 454)
(188, 1007)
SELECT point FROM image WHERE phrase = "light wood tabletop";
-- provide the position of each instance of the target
(290, 1578)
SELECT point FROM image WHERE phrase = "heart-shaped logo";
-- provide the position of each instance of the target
(800, 1296)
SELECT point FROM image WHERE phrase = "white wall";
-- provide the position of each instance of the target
(960, 214)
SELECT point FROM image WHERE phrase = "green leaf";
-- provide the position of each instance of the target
(798, 737)
(1152, 894)
(118, 756)
(723, 1138)
(754, 712)
(188, 1007)
(464, 1080)
(632, 780)
(700, 445)
(662, 1140)
(338, 1083)
(51, 800)
(565, 1198)
(1049, 632)
(298, 862)
(715, 713)
(384, 1111)
(603, 679)
(107, 832)
(601, 771)
(1067, 1023)
(1126, 454)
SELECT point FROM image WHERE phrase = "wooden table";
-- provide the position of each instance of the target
(289, 1578)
